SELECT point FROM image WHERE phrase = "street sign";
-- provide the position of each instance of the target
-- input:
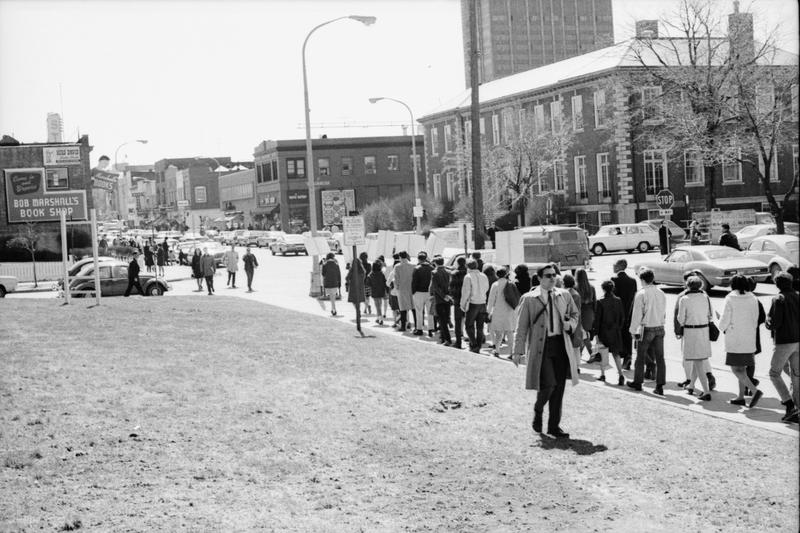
(28, 199)
(181, 203)
(665, 199)
(417, 211)
(665, 212)
(354, 231)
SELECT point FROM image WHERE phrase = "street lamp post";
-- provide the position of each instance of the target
(116, 152)
(417, 201)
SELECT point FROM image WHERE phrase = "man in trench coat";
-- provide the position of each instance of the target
(546, 317)
(403, 274)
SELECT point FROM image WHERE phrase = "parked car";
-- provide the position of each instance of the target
(450, 256)
(267, 238)
(778, 251)
(717, 265)
(7, 284)
(114, 280)
(75, 268)
(748, 233)
(249, 238)
(677, 234)
(628, 237)
(226, 237)
(567, 246)
(292, 244)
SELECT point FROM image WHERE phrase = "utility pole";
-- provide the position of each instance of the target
(475, 117)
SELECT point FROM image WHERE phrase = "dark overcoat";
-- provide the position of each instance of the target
(609, 320)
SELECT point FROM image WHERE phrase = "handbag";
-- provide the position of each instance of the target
(713, 330)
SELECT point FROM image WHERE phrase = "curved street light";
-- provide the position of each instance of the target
(116, 152)
(417, 201)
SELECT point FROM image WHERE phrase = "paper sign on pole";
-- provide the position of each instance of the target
(386, 244)
(509, 248)
(354, 233)
(416, 244)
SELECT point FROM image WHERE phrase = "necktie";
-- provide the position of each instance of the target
(550, 309)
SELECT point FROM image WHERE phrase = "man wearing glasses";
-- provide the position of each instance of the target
(546, 317)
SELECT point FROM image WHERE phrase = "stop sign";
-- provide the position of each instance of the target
(665, 199)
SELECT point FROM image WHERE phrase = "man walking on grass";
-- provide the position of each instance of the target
(647, 327)
(783, 320)
(209, 267)
(231, 260)
(473, 304)
(625, 289)
(250, 263)
(133, 275)
(440, 283)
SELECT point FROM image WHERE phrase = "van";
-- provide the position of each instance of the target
(566, 246)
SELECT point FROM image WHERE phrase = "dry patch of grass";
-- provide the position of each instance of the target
(172, 413)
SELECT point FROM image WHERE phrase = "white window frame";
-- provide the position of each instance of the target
(327, 166)
(538, 118)
(773, 169)
(448, 182)
(600, 221)
(654, 102)
(581, 191)
(346, 171)
(495, 129)
(603, 161)
(468, 132)
(448, 138)
(698, 166)
(374, 165)
(577, 112)
(738, 178)
(654, 157)
(434, 140)
(393, 162)
(483, 127)
(555, 116)
(560, 175)
(437, 186)
(508, 124)
(600, 119)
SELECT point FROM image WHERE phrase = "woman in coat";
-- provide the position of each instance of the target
(501, 314)
(148, 257)
(577, 336)
(161, 259)
(609, 320)
(738, 322)
(355, 283)
(376, 285)
(694, 315)
(197, 269)
(588, 302)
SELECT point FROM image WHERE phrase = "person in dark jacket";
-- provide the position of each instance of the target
(331, 279)
(783, 320)
(133, 275)
(148, 256)
(625, 289)
(439, 289)
(456, 282)
(197, 268)
(663, 238)
(375, 286)
(609, 319)
(209, 266)
(367, 291)
(522, 278)
(161, 260)
(250, 264)
(420, 283)
(728, 239)
(355, 283)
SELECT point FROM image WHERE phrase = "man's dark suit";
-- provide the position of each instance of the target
(625, 289)
(133, 278)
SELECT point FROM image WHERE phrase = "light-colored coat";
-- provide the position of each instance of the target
(231, 260)
(503, 316)
(403, 272)
(739, 322)
(529, 338)
(694, 310)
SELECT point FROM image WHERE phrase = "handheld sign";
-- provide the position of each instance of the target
(509, 248)
(354, 231)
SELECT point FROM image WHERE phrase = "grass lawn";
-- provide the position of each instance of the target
(221, 414)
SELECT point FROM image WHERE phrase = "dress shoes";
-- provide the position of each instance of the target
(659, 390)
(537, 423)
(648, 375)
(621, 381)
(706, 397)
(601, 378)
(682, 384)
(793, 417)
(558, 433)
(635, 386)
(418, 332)
(738, 401)
(756, 396)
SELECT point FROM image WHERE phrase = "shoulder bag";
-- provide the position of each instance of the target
(713, 330)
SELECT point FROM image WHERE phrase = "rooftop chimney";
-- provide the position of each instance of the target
(647, 29)
(740, 34)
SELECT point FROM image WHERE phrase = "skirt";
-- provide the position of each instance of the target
(739, 359)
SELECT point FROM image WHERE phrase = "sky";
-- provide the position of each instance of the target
(212, 78)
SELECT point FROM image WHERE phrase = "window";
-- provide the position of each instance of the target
(765, 98)
(57, 178)
(448, 180)
(555, 116)
(393, 162)
(580, 177)
(604, 218)
(495, 129)
(559, 175)
(296, 168)
(437, 186)
(508, 123)
(448, 138)
(600, 118)
(653, 213)
(603, 176)
(651, 104)
(538, 118)
(577, 112)
(732, 170)
(522, 118)
(582, 219)
(347, 166)
(483, 127)
(369, 164)
(324, 165)
(416, 162)
(200, 195)
(693, 168)
(274, 167)
(467, 133)
(655, 171)
(468, 179)
(773, 168)
(434, 140)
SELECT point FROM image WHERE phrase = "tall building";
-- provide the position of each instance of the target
(518, 35)
(55, 128)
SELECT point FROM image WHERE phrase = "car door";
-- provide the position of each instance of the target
(754, 250)
(674, 267)
(632, 237)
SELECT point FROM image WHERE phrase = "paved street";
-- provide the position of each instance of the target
(284, 281)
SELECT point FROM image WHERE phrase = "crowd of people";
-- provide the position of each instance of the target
(625, 324)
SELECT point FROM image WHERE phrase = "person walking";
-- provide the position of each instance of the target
(647, 327)
(355, 283)
(133, 275)
(393, 303)
(678, 328)
(231, 261)
(588, 303)
(161, 259)
(420, 284)
(609, 321)
(439, 290)
(568, 284)
(625, 289)
(727, 238)
(738, 322)
(456, 283)
(197, 268)
(500, 311)
(473, 304)
(250, 264)
(209, 267)
(148, 256)
(545, 318)
(783, 320)
(403, 273)
(522, 278)
(376, 287)
(364, 258)
(762, 318)
(331, 279)
(694, 316)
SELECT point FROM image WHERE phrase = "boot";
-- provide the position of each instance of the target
(790, 409)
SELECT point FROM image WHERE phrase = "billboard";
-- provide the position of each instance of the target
(61, 155)
(28, 199)
(336, 204)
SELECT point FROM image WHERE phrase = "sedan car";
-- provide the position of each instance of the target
(292, 244)
(7, 284)
(748, 233)
(717, 264)
(268, 237)
(778, 251)
(628, 237)
(114, 280)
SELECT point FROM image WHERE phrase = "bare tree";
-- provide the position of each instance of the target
(28, 238)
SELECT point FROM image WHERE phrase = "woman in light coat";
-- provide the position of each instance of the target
(738, 322)
(502, 320)
(694, 315)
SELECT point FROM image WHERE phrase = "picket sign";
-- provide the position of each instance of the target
(385, 244)
(316, 245)
(509, 246)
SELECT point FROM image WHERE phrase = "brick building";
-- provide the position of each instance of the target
(359, 170)
(237, 196)
(189, 179)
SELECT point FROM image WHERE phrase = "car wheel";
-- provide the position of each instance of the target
(155, 290)
(774, 269)
(598, 249)
(643, 247)
(3, 292)
(272, 250)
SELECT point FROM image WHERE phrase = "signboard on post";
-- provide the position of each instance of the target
(354, 231)
(665, 199)
(336, 204)
(29, 201)
(665, 212)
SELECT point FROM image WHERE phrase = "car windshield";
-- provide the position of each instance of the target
(749, 230)
(722, 254)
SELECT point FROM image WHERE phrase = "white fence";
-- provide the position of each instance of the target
(45, 270)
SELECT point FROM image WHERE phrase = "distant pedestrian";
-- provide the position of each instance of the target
(393, 303)
(588, 303)
(133, 275)
(148, 256)
(355, 283)
(331, 279)
(663, 238)
(161, 259)
(403, 273)
(609, 320)
(647, 327)
(694, 232)
(625, 289)
(473, 304)
(522, 278)
(500, 312)
(250, 264)
(197, 268)
(727, 238)
(456, 283)
(209, 267)
(102, 246)
(231, 260)
(439, 290)
(783, 319)
(694, 316)
(420, 284)
(376, 286)
(762, 318)
(367, 289)
(477, 257)
(568, 281)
